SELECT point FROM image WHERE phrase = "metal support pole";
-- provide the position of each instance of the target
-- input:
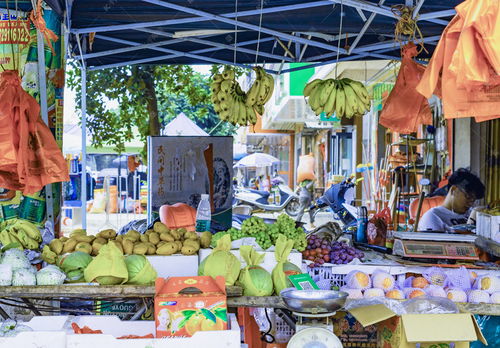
(42, 87)
(84, 146)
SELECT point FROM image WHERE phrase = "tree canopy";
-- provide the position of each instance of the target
(149, 96)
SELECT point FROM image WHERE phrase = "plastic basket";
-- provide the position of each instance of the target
(280, 329)
(329, 276)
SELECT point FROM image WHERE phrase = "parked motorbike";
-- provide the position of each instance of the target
(280, 197)
(337, 198)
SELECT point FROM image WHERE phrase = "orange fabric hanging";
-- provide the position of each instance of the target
(38, 159)
(464, 62)
(38, 21)
(405, 109)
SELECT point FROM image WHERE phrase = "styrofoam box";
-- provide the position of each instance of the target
(175, 265)
(57, 335)
(269, 258)
(488, 226)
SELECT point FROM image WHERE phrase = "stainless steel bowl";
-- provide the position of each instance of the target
(313, 301)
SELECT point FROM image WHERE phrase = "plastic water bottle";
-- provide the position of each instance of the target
(203, 214)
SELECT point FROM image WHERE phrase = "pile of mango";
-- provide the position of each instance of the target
(158, 241)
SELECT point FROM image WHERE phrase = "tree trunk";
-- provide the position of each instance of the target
(152, 101)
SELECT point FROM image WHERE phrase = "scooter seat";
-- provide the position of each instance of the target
(265, 194)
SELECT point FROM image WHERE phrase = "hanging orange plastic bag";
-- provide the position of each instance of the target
(39, 160)
(398, 114)
(9, 137)
(461, 96)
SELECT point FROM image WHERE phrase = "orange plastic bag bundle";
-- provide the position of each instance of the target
(39, 160)
(9, 137)
(305, 169)
(405, 109)
(466, 61)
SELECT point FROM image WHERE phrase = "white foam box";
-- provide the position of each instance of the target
(488, 226)
(269, 258)
(176, 265)
(56, 332)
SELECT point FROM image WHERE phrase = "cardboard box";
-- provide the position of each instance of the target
(269, 258)
(421, 330)
(185, 305)
(176, 265)
(352, 333)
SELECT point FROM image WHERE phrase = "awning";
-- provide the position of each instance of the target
(203, 31)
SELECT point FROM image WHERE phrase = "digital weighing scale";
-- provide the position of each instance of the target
(313, 310)
(426, 245)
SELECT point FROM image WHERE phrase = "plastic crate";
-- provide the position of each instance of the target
(280, 329)
(328, 276)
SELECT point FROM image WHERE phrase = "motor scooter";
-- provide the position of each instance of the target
(278, 198)
(338, 198)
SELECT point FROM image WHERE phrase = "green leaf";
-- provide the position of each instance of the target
(188, 313)
(221, 313)
(209, 315)
(183, 322)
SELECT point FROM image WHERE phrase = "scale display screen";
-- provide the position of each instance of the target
(460, 251)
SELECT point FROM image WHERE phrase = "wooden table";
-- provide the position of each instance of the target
(234, 293)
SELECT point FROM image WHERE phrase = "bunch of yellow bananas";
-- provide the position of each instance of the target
(21, 232)
(343, 97)
(233, 104)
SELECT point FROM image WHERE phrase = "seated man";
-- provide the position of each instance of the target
(464, 188)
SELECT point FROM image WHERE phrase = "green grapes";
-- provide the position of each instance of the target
(216, 237)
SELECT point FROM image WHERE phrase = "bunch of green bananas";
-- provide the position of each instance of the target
(261, 90)
(233, 104)
(344, 97)
(21, 232)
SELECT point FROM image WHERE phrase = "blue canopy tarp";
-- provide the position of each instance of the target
(203, 31)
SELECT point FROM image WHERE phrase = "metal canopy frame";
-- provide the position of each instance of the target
(302, 41)
(279, 44)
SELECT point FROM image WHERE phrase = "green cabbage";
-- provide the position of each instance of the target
(74, 264)
(221, 262)
(140, 271)
(256, 281)
(23, 277)
(50, 275)
(15, 258)
(283, 268)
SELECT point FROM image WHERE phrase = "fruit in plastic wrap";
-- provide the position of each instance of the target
(395, 294)
(358, 280)
(352, 294)
(412, 293)
(479, 296)
(488, 283)
(473, 276)
(383, 280)
(456, 295)
(495, 297)
(435, 291)
(419, 282)
(373, 293)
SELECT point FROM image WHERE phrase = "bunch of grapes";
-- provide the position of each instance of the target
(300, 243)
(317, 250)
(320, 250)
(218, 236)
(264, 241)
(286, 226)
(341, 253)
(236, 233)
(254, 225)
(273, 231)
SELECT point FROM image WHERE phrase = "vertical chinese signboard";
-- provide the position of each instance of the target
(18, 51)
(178, 172)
